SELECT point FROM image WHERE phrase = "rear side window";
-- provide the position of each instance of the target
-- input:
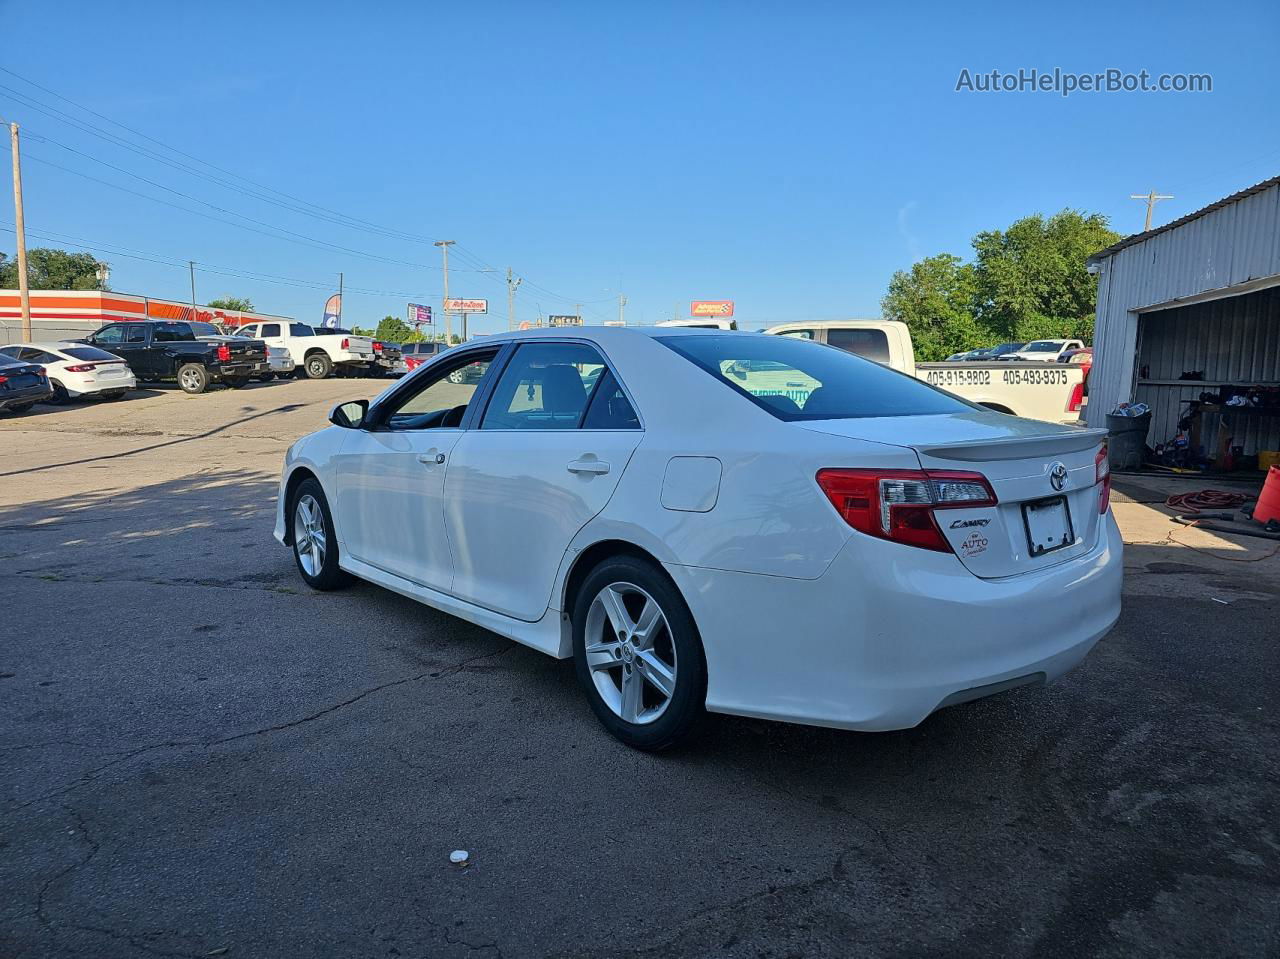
(87, 353)
(795, 380)
(546, 386)
(610, 409)
(135, 334)
(300, 329)
(172, 333)
(873, 344)
(269, 329)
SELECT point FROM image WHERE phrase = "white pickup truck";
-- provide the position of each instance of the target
(1040, 391)
(317, 352)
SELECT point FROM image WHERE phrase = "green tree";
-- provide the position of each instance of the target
(935, 298)
(1031, 277)
(242, 303)
(394, 330)
(49, 269)
(1026, 282)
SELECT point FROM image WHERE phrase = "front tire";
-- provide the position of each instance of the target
(637, 654)
(193, 378)
(315, 547)
(318, 366)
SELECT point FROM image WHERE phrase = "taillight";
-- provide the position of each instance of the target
(346, 344)
(1077, 398)
(377, 347)
(1102, 476)
(4, 379)
(82, 368)
(224, 353)
(899, 505)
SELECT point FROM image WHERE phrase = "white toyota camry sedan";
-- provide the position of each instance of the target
(707, 520)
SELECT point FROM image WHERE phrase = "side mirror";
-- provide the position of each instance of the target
(349, 415)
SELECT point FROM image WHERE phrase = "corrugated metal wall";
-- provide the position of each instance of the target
(1224, 248)
(1235, 341)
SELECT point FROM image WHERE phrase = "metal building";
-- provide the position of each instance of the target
(1190, 308)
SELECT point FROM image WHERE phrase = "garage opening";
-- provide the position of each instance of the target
(1211, 374)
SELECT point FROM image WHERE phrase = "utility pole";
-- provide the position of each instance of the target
(448, 324)
(1152, 199)
(622, 302)
(577, 312)
(339, 299)
(191, 265)
(19, 225)
(513, 282)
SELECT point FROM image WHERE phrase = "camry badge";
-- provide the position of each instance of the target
(1058, 476)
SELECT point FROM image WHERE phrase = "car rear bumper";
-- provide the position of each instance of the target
(888, 634)
(27, 394)
(281, 364)
(224, 370)
(92, 384)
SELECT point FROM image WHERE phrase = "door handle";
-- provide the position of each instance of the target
(431, 458)
(592, 466)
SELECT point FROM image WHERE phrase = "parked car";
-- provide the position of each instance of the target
(1043, 351)
(1041, 391)
(416, 354)
(22, 385)
(1004, 349)
(857, 558)
(279, 363)
(75, 370)
(194, 354)
(388, 359)
(317, 352)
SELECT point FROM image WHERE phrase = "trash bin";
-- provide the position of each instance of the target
(1126, 446)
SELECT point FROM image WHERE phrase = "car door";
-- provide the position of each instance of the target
(389, 477)
(129, 342)
(556, 433)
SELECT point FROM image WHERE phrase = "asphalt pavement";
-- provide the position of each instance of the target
(200, 757)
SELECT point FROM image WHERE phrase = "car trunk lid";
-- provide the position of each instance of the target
(1044, 478)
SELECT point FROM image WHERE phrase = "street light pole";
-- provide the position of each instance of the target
(19, 225)
(448, 324)
(191, 265)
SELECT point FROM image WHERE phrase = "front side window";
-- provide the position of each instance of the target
(442, 400)
(546, 386)
(110, 334)
(872, 344)
(795, 380)
(9, 351)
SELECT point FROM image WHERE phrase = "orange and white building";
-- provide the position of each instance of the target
(68, 314)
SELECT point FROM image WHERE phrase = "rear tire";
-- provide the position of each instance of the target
(638, 655)
(315, 547)
(60, 395)
(193, 378)
(318, 366)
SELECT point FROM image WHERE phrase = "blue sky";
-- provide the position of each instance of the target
(788, 156)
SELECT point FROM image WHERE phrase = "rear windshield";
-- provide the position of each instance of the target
(86, 353)
(799, 380)
(1044, 346)
(205, 329)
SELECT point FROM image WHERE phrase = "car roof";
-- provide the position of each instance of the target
(49, 347)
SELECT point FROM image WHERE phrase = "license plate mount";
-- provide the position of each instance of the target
(1048, 525)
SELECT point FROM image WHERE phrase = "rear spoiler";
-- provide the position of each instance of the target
(1016, 447)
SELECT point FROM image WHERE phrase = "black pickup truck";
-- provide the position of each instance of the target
(194, 354)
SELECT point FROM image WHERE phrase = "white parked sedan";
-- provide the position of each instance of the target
(77, 370)
(735, 522)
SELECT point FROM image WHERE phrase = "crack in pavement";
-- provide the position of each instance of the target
(95, 773)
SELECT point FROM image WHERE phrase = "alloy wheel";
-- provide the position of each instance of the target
(309, 538)
(190, 379)
(630, 653)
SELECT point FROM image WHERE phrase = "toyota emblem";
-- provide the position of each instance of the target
(1058, 476)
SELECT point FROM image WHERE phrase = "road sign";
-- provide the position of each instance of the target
(457, 305)
(419, 315)
(718, 308)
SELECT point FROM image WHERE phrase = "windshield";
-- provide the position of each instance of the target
(800, 380)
